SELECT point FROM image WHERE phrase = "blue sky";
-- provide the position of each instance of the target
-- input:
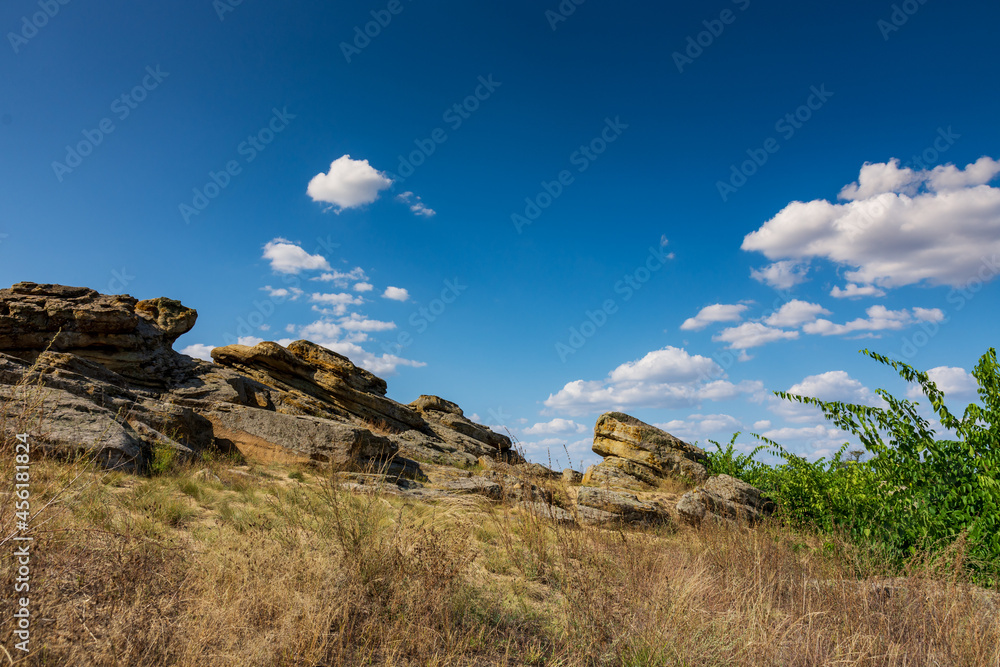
(539, 210)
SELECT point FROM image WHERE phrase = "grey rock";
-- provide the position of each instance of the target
(724, 499)
(619, 435)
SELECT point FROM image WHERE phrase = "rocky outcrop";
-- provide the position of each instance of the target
(724, 499)
(129, 337)
(97, 375)
(638, 455)
(107, 382)
(617, 506)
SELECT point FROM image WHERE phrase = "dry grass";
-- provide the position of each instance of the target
(212, 563)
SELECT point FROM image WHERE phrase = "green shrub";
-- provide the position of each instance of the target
(916, 493)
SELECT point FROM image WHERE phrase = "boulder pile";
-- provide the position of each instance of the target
(103, 380)
(109, 384)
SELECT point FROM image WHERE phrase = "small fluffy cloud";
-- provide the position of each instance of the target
(879, 318)
(555, 426)
(287, 257)
(396, 294)
(949, 379)
(290, 293)
(342, 278)
(363, 287)
(781, 275)
(829, 386)
(752, 334)
(671, 364)
(343, 337)
(355, 322)
(896, 226)
(199, 351)
(417, 206)
(717, 312)
(668, 378)
(701, 427)
(338, 302)
(796, 312)
(853, 291)
(348, 184)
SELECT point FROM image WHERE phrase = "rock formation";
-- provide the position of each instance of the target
(111, 385)
(102, 379)
(637, 455)
(724, 499)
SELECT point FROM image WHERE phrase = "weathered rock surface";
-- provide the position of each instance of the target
(724, 499)
(621, 436)
(272, 436)
(614, 471)
(623, 506)
(115, 387)
(102, 379)
(130, 337)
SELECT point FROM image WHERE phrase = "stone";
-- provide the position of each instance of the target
(129, 337)
(625, 506)
(268, 436)
(622, 436)
(546, 511)
(724, 499)
(474, 485)
(614, 471)
(570, 476)
(333, 389)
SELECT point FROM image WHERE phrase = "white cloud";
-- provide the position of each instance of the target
(879, 318)
(363, 287)
(337, 303)
(796, 312)
(555, 426)
(417, 206)
(396, 294)
(701, 427)
(286, 257)
(897, 226)
(718, 312)
(821, 439)
(355, 322)
(853, 291)
(949, 379)
(781, 275)
(330, 335)
(670, 379)
(671, 364)
(199, 351)
(828, 386)
(249, 341)
(342, 278)
(290, 293)
(752, 334)
(348, 184)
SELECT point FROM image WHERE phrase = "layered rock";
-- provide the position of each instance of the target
(111, 385)
(724, 499)
(129, 337)
(638, 455)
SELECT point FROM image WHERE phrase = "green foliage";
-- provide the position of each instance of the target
(164, 459)
(915, 493)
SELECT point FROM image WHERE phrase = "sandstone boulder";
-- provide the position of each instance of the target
(618, 472)
(129, 337)
(624, 507)
(264, 435)
(624, 437)
(724, 499)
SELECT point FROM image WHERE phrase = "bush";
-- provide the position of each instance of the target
(916, 493)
